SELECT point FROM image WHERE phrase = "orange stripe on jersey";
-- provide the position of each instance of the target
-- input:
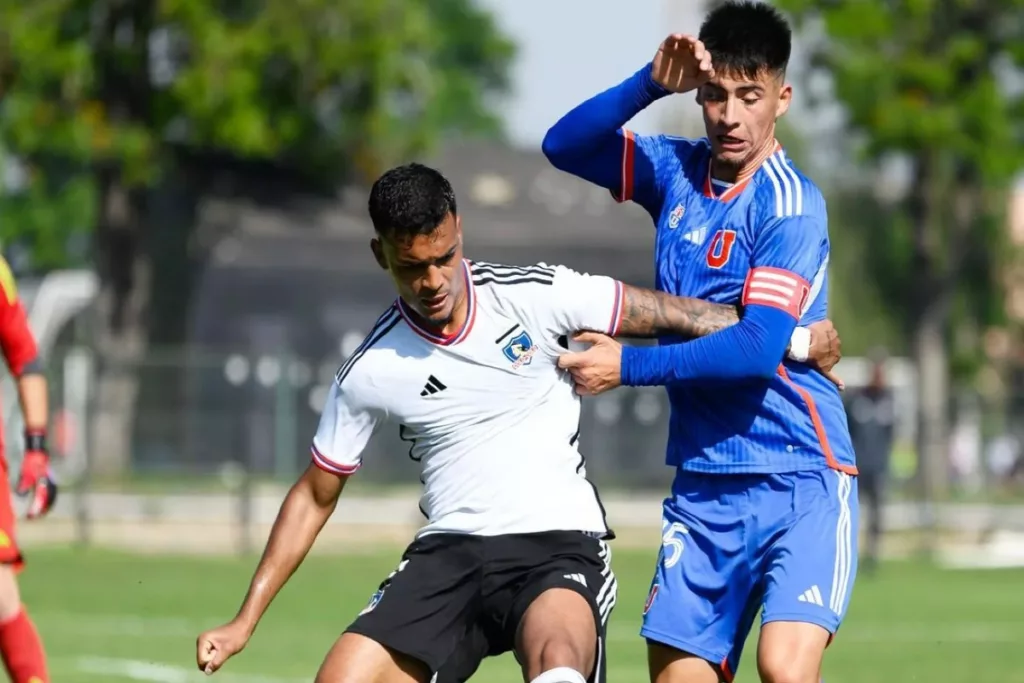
(727, 673)
(734, 191)
(777, 288)
(628, 160)
(741, 182)
(819, 426)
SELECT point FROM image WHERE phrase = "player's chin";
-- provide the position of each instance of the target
(439, 317)
(733, 155)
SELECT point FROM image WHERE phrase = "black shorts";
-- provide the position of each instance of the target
(455, 599)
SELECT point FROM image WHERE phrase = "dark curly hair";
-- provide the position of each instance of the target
(747, 39)
(410, 200)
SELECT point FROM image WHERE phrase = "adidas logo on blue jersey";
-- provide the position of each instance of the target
(813, 596)
(696, 236)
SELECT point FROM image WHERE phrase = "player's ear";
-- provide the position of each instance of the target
(785, 98)
(458, 228)
(378, 253)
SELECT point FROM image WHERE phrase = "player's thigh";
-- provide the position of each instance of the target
(700, 596)
(809, 575)
(558, 629)
(557, 611)
(11, 560)
(10, 596)
(358, 659)
(424, 608)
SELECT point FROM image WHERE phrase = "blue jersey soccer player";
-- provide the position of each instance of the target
(763, 509)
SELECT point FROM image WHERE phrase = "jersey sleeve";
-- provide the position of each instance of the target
(578, 301)
(788, 264)
(346, 425)
(592, 143)
(645, 161)
(16, 339)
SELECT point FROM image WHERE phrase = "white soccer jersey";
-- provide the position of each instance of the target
(490, 417)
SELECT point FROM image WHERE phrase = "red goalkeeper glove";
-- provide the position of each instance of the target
(36, 478)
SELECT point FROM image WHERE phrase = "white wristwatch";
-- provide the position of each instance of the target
(800, 345)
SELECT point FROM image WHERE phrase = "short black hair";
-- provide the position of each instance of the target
(410, 200)
(747, 38)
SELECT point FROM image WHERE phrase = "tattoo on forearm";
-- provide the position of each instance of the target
(647, 313)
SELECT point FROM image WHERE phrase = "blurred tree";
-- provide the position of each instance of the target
(935, 83)
(101, 96)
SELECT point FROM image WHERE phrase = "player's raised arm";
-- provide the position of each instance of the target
(345, 427)
(787, 271)
(590, 141)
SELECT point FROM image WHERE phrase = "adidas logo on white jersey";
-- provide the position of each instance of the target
(813, 596)
(432, 386)
(696, 236)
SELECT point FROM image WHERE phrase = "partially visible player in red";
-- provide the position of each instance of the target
(20, 646)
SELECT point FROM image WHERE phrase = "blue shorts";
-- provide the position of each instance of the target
(733, 544)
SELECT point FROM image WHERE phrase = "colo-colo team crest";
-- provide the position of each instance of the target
(520, 350)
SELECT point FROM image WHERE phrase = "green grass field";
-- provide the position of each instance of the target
(114, 617)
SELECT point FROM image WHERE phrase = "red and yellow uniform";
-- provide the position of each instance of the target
(20, 646)
(20, 353)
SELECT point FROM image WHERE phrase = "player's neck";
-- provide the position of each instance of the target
(459, 315)
(731, 173)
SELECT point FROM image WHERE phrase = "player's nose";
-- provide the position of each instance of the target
(730, 112)
(433, 279)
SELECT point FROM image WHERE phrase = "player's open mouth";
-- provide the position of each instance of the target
(435, 304)
(728, 142)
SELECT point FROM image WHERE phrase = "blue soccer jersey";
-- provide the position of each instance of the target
(763, 511)
(762, 242)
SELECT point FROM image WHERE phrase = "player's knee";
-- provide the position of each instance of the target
(10, 597)
(785, 672)
(357, 659)
(561, 653)
(791, 652)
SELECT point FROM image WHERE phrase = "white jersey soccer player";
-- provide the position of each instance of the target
(465, 364)
(493, 422)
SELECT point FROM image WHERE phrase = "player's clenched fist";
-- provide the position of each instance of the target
(826, 350)
(682, 64)
(216, 646)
